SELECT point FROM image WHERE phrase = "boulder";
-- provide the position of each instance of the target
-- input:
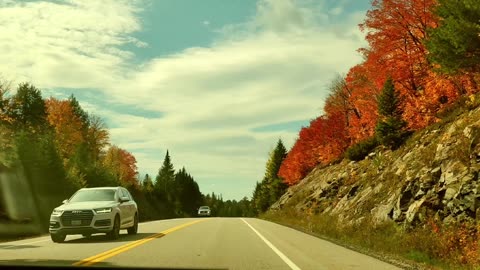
(450, 193)
(413, 210)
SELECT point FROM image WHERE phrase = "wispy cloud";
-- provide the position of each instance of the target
(207, 104)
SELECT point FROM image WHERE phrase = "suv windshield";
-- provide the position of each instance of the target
(94, 195)
(204, 207)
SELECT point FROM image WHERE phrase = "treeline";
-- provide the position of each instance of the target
(58, 148)
(423, 58)
(272, 187)
(228, 208)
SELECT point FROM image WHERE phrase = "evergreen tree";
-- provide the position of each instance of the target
(276, 185)
(28, 108)
(165, 178)
(389, 130)
(272, 186)
(78, 111)
(147, 184)
(455, 43)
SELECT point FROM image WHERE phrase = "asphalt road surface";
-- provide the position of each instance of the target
(196, 243)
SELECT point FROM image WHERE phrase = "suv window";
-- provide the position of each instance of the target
(93, 195)
(125, 193)
(129, 195)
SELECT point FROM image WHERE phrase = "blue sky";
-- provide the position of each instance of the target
(215, 82)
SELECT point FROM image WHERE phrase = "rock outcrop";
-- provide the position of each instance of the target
(434, 174)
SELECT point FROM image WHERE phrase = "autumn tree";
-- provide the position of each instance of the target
(122, 165)
(389, 130)
(362, 80)
(7, 147)
(396, 31)
(67, 125)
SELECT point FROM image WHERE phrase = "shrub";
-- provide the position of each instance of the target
(360, 150)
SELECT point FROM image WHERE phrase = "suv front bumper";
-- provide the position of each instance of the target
(98, 223)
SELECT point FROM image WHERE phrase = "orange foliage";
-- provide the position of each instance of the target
(67, 126)
(123, 165)
(396, 30)
(458, 241)
(364, 98)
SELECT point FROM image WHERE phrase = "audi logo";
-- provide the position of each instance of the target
(76, 212)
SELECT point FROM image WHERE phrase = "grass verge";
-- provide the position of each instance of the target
(431, 246)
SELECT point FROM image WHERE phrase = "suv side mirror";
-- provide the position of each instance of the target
(124, 199)
(64, 201)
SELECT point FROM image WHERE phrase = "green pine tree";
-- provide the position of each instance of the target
(269, 190)
(28, 108)
(389, 130)
(455, 43)
(165, 178)
(79, 111)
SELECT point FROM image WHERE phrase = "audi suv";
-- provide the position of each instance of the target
(95, 210)
(204, 211)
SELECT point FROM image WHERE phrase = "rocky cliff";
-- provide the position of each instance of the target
(435, 174)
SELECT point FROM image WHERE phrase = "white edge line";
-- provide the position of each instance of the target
(282, 256)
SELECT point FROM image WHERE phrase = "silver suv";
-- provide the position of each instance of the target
(95, 210)
(204, 211)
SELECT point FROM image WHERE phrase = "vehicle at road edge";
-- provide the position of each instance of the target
(204, 211)
(95, 210)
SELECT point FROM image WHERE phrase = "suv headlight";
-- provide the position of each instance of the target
(57, 212)
(103, 210)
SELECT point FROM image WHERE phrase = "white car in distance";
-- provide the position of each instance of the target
(204, 211)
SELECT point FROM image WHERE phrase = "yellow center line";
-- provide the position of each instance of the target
(115, 251)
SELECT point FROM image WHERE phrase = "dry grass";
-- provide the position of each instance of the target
(431, 246)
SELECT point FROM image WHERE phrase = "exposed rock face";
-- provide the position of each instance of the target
(435, 174)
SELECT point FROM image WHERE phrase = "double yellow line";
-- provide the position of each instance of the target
(112, 252)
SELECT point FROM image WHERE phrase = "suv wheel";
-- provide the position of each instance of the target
(134, 228)
(115, 233)
(58, 237)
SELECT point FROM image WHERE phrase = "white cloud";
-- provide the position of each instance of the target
(73, 43)
(272, 69)
(207, 23)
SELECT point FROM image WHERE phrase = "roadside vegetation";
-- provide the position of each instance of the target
(58, 147)
(433, 246)
(422, 59)
(420, 72)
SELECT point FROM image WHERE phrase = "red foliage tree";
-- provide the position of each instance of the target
(322, 142)
(396, 30)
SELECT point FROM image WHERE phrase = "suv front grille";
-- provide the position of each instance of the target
(77, 218)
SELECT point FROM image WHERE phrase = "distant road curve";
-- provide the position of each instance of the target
(195, 243)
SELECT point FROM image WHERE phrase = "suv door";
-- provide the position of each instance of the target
(129, 207)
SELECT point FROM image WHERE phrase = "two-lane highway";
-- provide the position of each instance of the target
(201, 243)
